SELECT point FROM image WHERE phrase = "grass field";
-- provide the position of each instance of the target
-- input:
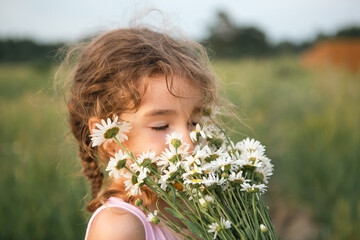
(309, 120)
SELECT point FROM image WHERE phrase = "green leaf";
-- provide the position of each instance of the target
(194, 228)
(175, 213)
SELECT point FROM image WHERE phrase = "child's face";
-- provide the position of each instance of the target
(160, 113)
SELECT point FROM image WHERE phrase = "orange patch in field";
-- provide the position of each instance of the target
(340, 53)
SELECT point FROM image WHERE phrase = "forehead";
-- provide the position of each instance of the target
(183, 95)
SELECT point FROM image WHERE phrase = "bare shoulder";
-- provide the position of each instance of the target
(116, 224)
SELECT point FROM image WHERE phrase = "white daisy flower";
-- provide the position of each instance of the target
(116, 164)
(266, 168)
(253, 188)
(251, 146)
(143, 174)
(215, 227)
(174, 139)
(128, 182)
(135, 189)
(173, 168)
(169, 155)
(213, 179)
(207, 199)
(193, 181)
(191, 171)
(192, 160)
(197, 132)
(107, 130)
(163, 181)
(152, 217)
(249, 160)
(134, 183)
(149, 155)
(224, 162)
(237, 177)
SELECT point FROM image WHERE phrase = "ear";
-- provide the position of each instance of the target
(111, 147)
(92, 123)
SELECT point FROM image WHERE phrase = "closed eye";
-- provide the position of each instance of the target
(160, 128)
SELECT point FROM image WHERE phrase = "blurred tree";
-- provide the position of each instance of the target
(289, 48)
(352, 31)
(26, 50)
(229, 40)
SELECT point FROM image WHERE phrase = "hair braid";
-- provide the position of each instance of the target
(92, 171)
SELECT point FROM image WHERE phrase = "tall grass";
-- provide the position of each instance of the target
(309, 120)
(41, 195)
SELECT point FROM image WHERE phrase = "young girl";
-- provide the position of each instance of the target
(159, 84)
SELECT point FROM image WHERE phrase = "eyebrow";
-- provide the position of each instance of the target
(164, 112)
(159, 112)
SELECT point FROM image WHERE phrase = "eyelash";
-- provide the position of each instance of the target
(166, 126)
(160, 128)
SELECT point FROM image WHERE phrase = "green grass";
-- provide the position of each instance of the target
(310, 123)
(308, 120)
(41, 196)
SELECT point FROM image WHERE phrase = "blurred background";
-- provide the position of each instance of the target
(293, 71)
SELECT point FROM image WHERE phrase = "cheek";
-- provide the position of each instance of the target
(146, 140)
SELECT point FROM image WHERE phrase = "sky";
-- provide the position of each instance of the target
(70, 20)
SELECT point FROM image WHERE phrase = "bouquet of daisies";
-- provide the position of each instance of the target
(215, 190)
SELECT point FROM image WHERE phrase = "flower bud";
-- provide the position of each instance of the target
(263, 228)
(176, 142)
(171, 193)
(224, 175)
(155, 220)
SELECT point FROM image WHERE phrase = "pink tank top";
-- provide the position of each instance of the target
(152, 231)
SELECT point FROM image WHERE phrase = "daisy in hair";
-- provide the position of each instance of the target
(108, 130)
